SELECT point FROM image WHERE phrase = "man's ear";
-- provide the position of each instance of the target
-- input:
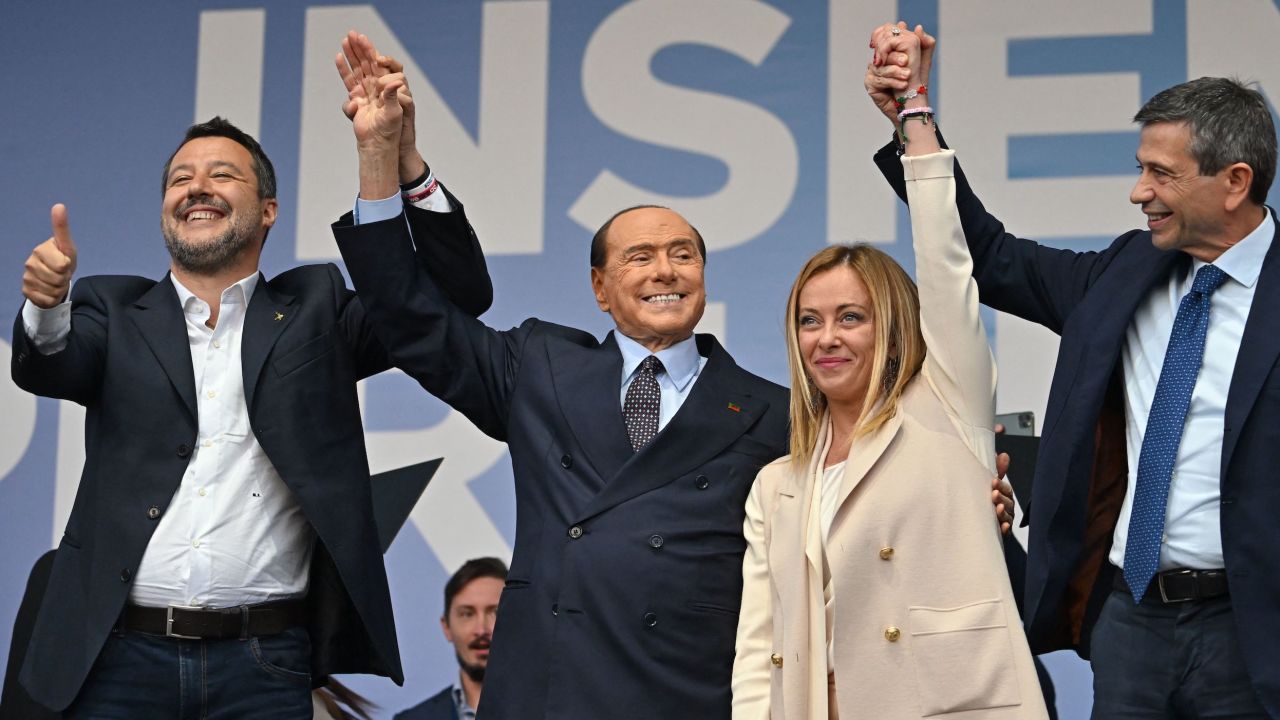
(1238, 178)
(597, 286)
(270, 207)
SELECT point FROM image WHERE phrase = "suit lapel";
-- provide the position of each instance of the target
(266, 318)
(866, 451)
(588, 384)
(715, 414)
(1259, 349)
(1096, 336)
(811, 493)
(160, 322)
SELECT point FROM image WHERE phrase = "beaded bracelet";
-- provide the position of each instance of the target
(915, 92)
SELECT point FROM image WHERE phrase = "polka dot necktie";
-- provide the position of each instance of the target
(644, 399)
(1164, 431)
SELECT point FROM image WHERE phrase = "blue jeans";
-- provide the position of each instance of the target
(1154, 661)
(150, 676)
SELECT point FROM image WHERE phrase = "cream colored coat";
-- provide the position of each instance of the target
(924, 621)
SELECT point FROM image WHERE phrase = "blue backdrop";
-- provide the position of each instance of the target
(747, 116)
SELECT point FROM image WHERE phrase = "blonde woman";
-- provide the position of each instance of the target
(874, 582)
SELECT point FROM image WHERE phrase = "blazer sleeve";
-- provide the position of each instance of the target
(75, 372)
(1014, 275)
(958, 364)
(752, 670)
(450, 253)
(445, 349)
(370, 354)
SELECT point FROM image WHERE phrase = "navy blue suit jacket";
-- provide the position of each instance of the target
(626, 579)
(437, 707)
(306, 342)
(1081, 474)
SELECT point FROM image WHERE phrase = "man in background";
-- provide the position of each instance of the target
(470, 609)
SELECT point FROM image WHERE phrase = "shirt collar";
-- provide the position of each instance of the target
(1242, 262)
(239, 293)
(460, 700)
(680, 361)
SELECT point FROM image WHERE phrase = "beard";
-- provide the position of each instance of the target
(475, 672)
(216, 253)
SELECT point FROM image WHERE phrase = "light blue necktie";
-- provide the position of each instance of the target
(1164, 431)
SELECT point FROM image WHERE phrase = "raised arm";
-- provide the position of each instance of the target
(1015, 275)
(444, 241)
(958, 363)
(50, 359)
(450, 353)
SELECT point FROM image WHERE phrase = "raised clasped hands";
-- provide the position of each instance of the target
(376, 115)
(366, 74)
(46, 276)
(901, 59)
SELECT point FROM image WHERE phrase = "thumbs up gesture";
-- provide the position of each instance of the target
(46, 277)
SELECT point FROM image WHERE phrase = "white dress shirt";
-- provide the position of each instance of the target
(1192, 536)
(233, 533)
(681, 365)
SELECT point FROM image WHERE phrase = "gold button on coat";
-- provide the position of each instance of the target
(892, 634)
(776, 659)
(886, 553)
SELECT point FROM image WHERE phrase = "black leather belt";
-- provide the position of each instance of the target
(1178, 586)
(194, 623)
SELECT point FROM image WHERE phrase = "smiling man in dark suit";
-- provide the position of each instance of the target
(1153, 535)
(221, 555)
(633, 456)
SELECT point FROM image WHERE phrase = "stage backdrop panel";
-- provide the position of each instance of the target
(749, 117)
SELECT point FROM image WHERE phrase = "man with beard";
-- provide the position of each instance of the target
(221, 556)
(470, 609)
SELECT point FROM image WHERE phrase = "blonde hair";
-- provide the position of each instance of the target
(895, 309)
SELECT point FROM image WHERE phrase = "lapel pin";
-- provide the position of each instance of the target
(735, 408)
(279, 316)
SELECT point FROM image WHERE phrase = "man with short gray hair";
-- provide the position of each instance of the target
(1153, 533)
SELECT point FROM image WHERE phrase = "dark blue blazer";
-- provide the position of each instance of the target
(437, 707)
(306, 342)
(626, 579)
(1081, 474)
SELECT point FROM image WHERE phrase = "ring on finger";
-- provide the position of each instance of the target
(895, 31)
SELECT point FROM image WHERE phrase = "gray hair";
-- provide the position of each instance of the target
(1229, 123)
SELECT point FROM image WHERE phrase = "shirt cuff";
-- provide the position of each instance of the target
(47, 329)
(371, 211)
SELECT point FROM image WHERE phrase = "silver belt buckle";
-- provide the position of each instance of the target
(168, 622)
(1164, 596)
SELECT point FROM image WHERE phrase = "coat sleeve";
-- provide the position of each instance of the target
(752, 670)
(450, 253)
(1018, 276)
(353, 322)
(958, 364)
(444, 348)
(75, 372)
